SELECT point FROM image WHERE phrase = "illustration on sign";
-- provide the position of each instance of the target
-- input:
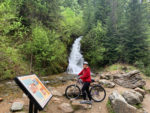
(36, 89)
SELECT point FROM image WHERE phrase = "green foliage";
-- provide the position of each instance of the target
(73, 4)
(71, 23)
(126, 40)
(89, 17)
(38, 34)
(109, 107)
(46, 11)
(147, 71)
(136, 47)
(138, 106)
(92, 45)
(11, 60)
(44, 50)
(120, 67)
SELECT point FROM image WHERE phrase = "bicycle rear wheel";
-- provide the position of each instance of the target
(72, 91)
(98, 93)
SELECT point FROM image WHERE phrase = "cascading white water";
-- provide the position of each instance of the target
(76, 59)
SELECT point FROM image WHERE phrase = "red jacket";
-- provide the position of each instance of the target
(86, 75)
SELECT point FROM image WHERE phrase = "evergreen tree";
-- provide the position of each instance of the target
(135, 41)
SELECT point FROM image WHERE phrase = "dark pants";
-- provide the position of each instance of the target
(85, 89)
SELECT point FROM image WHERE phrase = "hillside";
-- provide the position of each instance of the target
(36, 36)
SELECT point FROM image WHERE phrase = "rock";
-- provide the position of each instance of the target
(142, 111)
(56, 93)
(66, 108)
(17, 106)
(11, 83)
(107, 83)
(45, 82)
(24, 95)
(50, 88)
(1, 99)
(77, 105)
(44, 77)
(107, 77)
(21, 112)
(133, 97)
(119, 104)
(130, 80)
(145, 111)
(141, 91)
(57, 100)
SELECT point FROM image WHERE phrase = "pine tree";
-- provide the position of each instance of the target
(135, 42)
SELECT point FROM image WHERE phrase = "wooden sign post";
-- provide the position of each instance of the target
(37, 93)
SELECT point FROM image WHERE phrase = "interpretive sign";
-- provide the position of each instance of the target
(38, 94)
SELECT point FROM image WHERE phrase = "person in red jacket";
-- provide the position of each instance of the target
(86, 78)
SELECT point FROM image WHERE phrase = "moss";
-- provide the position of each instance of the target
(109, 107)
(138, 106)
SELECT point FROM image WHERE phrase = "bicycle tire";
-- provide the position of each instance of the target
(100, 87)
(73, 85)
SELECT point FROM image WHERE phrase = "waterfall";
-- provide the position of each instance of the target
(75, 59)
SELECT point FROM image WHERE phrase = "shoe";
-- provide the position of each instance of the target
(83, 101)
(89, 102)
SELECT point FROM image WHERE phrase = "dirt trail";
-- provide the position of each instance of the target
(146, 101)
(52, 107)
(97, 107)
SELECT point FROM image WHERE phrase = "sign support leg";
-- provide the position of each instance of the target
(35, 109)
(30, 107)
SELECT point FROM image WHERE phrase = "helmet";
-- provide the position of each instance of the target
(85, 63)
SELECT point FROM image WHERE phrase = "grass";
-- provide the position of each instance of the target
(120, 67)
(138, 106)
(109, 107)
(147, 91)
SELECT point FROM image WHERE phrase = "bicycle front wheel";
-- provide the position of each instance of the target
(98, 93)
(72, 92)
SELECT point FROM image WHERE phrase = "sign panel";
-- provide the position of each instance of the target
(34, 88)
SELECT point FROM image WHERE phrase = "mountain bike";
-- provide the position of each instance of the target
(97, 92)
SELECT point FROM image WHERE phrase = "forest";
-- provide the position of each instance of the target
(36, 35)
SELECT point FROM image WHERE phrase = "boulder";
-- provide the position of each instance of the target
(66, 108)
(133, 97)
(21, 112)
(119, 104)
(76, 104)
(24, 95)
(141, 91)
(142, 111)
(46, 82)
(106, 76)
(107, 83)
(55, 92)
(1, 99)
(129, 80)
(56, 100)
(17, 106)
